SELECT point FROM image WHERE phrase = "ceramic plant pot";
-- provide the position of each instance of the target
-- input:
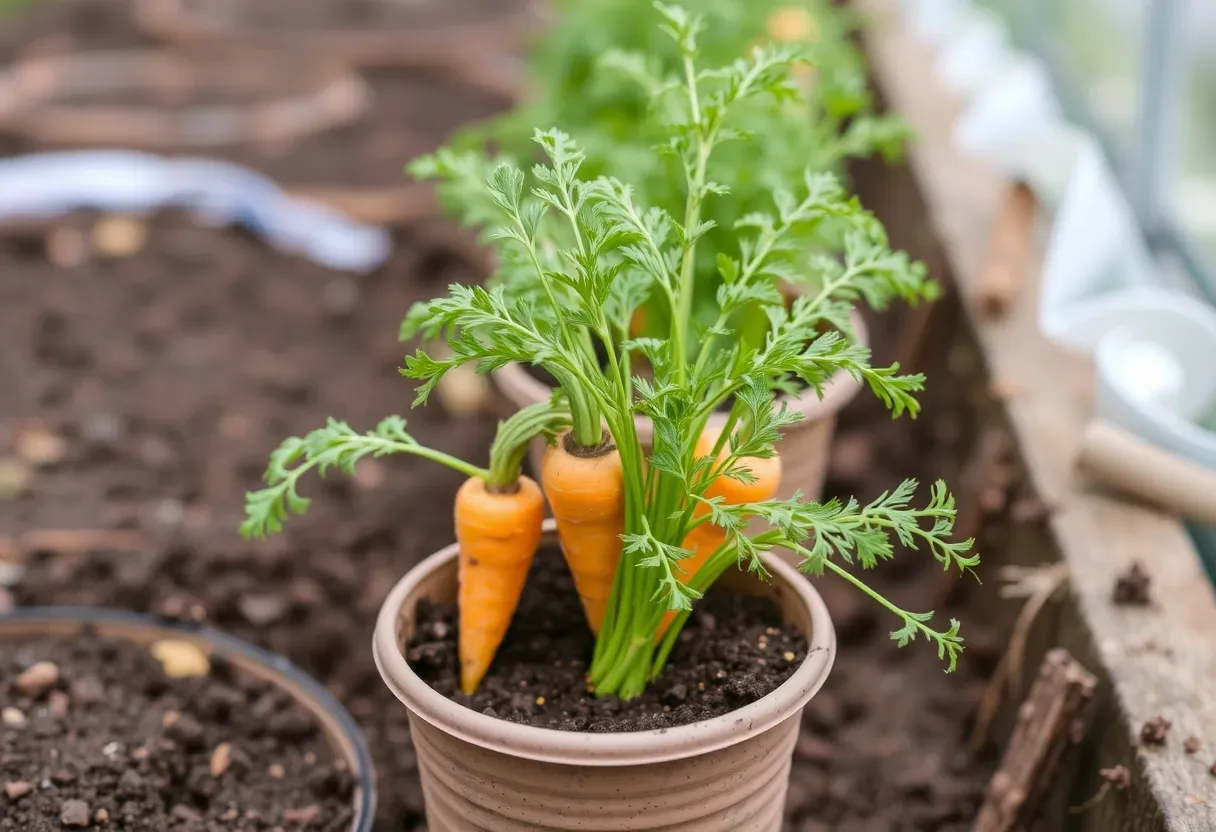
(342, 735)
(805, 447)
(726, 774)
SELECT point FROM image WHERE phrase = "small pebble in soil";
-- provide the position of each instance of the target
(1132, 587)
(732, 652)
(15, 478)
(181, 659)
(75, 814)
(1156, 731)
(119, 236)
(37, 679)
(57, 703)
(38, 446)
(221, 759)
(14, 790)
(66, 247)
(262, 609)
(102, 430)
(1192, 745)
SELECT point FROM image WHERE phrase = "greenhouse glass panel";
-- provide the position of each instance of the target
(1193, 195)
(1096, 46)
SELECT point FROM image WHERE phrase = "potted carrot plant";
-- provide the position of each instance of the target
(604, 97)
(582, 691)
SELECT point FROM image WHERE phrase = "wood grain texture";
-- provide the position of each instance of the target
(1047, 725)
(1151, 661)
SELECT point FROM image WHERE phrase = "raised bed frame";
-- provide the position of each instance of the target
(1150, 661)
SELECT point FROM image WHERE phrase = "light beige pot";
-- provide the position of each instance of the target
(727, 774)
(805, 447)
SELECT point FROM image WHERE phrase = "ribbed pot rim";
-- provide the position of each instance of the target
(602, 749)
(523, 389)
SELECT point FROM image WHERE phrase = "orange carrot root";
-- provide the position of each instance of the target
(705, 539)
(586, 495)
(498, 536)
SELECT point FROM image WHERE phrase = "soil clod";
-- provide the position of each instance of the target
(75, 814)
(1156, 731)
(1118, 776)
(1132, 588)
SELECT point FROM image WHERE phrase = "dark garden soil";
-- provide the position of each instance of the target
(97, 735)
(732, 652)
(327, 15)
(141, 398)
(411, 113)
(58, 26)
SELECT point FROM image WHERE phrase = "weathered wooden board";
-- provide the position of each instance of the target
(1157, 660)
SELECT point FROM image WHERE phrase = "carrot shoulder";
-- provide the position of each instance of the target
(586, 494)
(498, 534)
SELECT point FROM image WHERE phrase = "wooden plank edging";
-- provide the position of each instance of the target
(1156, 661)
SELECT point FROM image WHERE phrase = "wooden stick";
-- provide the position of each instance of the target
(1008, 256)
(1047, 724)
(1124, 462)
(80, 541)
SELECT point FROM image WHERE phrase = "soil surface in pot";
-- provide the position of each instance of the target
(97, 735)
(732, 652)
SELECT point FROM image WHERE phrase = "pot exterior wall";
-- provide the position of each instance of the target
(738, 788)
(725, 774)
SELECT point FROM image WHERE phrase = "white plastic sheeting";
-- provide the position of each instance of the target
(50, 184)
(1101, 292)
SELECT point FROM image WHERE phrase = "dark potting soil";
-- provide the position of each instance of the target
(732, 652)
(96, 735)
(203, 90)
